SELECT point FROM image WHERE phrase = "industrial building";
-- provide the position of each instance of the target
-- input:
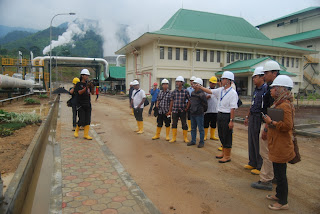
(195, 43)
(301, 28)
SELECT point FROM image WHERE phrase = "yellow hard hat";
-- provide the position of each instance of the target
(75, 80)
(213, 79)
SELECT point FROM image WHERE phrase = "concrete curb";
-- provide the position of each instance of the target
(18, 187)
(145, 203)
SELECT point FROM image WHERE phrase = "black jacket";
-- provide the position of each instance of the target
(198, 103)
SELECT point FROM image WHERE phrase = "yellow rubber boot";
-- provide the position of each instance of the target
(157, 136)
(189, 125)
(185, 136)
(205, 133)
(167, 133)
(212, 133)
(86, 132)
(76, 132)
(132, 112)
(138, 124)
(220, 148)
(141, 127)
(174, 136)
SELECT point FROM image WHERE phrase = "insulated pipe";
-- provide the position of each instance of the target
(82, 59)
(117, 60)
(11, 82)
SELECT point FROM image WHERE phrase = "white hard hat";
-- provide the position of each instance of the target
(130, 83)
(135, 82)
(258, 71)
(228, 75)
(164, 81)
(271, 66)
(193, 78)
(198, 80)
(85, 72)
(282, 80)
(179, 79)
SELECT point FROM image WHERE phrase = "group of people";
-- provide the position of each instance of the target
(270, 143)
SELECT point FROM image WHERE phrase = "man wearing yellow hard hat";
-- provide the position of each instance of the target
(74, 102)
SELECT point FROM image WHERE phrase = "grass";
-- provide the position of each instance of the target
(42, 96)
(30, 101)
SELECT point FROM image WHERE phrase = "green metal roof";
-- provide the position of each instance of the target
(252, 70)
(117, 72)
(291, 14)
(210, 26)
(300, 36)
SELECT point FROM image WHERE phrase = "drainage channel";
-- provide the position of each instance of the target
(38, 197)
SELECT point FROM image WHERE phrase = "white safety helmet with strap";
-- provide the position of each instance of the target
(198, 80)
(258, 71)
(85, 72)
(228, 75)
(283, 80)
(271, 66)
(130, 83)
(164, 81)
(193, 78)
(135, 82)
(179, 79)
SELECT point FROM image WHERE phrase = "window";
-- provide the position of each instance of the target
(205, 55)
(292, 62)
(258, 56)
(288, 60)
(280, 24)
(232, 57)
(218, 56)
(274, 58)
(170, 53)
(297, 63)
(185, 54)
(161, 52)
(211, 56)
(249, 56)
(198, 55)
(282, 61)
(309, 46)
(245, 56)
(263, 56)
(294, 20)
(228, 57)
(177, 53)
(237, 56)
(241, 56)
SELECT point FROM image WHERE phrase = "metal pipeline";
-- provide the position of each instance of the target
(72, 59)
(11, 82)
(117, 60)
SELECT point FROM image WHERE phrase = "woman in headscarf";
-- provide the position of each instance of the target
(280, 139)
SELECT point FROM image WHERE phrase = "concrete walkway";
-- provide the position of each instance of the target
(92, 179)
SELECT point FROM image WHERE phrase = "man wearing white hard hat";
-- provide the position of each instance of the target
(227, 104)
(190, 90)
(179, 108)
(137, 101)
(163, 106)
(130, 97)
(280, 132)
(271, 70)
(198, 106)
(254, 120)
(83, 89)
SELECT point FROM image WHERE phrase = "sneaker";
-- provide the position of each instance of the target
(249, 167)
(255, 172)
(262, 185)
(191, 144)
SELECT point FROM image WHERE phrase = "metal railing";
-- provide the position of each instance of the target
(14, 98)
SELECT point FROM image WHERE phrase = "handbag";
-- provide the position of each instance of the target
(155, 111)
(69, 104)
(146, 102)
(297, 158)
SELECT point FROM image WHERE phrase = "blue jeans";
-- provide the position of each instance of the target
(197, 120)
(151, 106)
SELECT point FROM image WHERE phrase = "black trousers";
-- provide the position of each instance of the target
(138, 114)
(255, 121)
(151, 107)
(74, 115)
(84, 113)
(189, 114)
(280, 173)
(210, 119)
(225, 134)
(183, 117)
(162, 118)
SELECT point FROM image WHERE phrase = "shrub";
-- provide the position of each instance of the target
(31, 101)
(42, 96)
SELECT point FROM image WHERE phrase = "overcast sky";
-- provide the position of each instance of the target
(141, 15)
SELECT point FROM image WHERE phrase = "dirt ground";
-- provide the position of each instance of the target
(13, 148)
(180, 179)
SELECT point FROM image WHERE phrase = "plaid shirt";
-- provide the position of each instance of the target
(164, 98)
(179, 100)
